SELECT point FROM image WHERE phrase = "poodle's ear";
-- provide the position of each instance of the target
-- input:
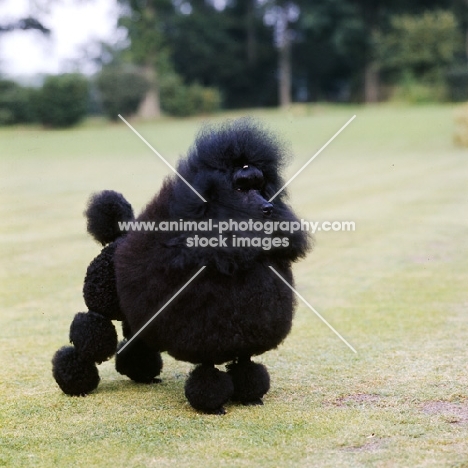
(191, 202)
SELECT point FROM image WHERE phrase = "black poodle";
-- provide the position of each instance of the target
(235, 308)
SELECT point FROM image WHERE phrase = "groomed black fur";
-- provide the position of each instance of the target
(75, 376)
(93, 336)
(207, 389)
(99, 289)
(235, 309)
(139, 362)
(105, 209)
(251, 381)
(237, 306)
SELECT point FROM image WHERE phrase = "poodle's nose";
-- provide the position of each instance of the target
(267, 209)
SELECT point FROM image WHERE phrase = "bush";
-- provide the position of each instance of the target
(121, 91)
(15, 103)
(63, 100)
(422, 45)
(205, 100)
(415, 91)
(181, 100)
(457, 83)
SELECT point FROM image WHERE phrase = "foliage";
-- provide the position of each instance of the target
(146, 23)
(181, 100)
(421, 45)
(231, 50)
(15, 103)
(121, 91)
(25, 24)
(63, 100)
(333, 43)
(330, 48)
(457, 83)
(418, 91)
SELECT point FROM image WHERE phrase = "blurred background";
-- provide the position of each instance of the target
(186, 57)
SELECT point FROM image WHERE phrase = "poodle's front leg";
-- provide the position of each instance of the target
(74, 367)
(137, 361)
(251, 381)
(207, 389)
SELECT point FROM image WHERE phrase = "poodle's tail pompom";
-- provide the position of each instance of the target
(104, 212)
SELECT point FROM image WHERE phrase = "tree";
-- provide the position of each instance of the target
(62, 101)
(328, 52)
(230, 49)
(280, 15)
(15, 103)
(460, 9)
(375, 15)
(422, 45)
(146, 22)
(24, 24)
(121, 91)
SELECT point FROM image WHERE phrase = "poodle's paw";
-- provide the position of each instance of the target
(256, 402)
(73, 374)
(94, 336)
(207, 389)
(251, 382)
(219, 412)
(139, 362)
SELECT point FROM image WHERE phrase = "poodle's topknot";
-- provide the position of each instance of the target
(105, 210)
(236, 143)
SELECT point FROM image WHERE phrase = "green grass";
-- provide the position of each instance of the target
(396, 288)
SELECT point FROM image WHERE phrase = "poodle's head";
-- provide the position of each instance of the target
(236, 168)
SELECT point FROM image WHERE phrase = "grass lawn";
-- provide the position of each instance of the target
(396, 289)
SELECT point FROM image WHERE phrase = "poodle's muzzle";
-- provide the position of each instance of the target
(250, 179)
(265, 206)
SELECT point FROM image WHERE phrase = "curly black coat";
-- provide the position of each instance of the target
(236, 308)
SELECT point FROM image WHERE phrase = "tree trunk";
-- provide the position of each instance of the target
(150, 108)
(284, 71)
(371, 82)
(466, 43)
(251, 40)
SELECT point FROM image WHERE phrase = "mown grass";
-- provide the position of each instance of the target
(396, 288)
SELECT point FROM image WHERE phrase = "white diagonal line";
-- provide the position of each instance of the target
(312, 158)
(161, 309)
(158, 154)
(313, 310)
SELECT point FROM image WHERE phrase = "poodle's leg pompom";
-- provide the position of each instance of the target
(251, 381)
(73, 374)
(207, 389)
(94, 336)
(99, 288)
(138, 362)
(105, 210)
